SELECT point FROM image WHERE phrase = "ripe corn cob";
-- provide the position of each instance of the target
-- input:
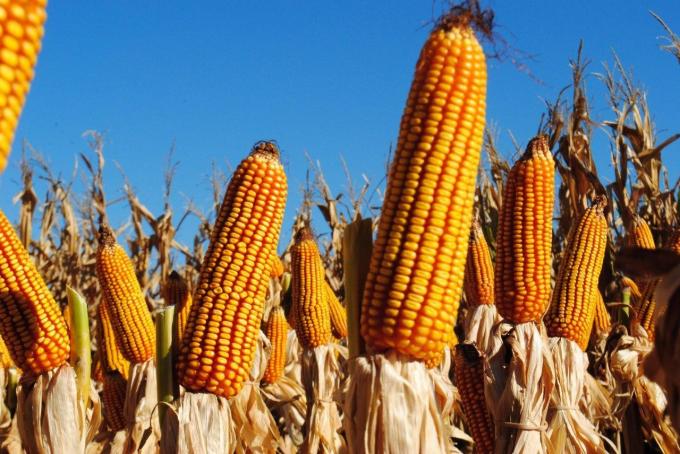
(337, 312)
(21, 22)
(5, 358)
(220, 338)
(113, 400)
(30, 320)
(478, 281)
(674, 241)
(277, 266)
(634, 290)
(109, 353)
(277, 333)
(416, 271)
(177, 294)
(640, 235)
(130, 316)
(469, 369)
(524, 240)
(310, 300)
(603, 321)
(572, 309)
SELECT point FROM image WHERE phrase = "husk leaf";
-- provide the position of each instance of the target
(141, 399)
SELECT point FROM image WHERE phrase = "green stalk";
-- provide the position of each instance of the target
(624, 312)
(167, 390)
(356, 246)
(81, 351)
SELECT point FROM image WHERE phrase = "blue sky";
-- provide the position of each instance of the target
(327, 78)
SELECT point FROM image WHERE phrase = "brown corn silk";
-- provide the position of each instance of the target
(220, 339)
(417, 265)
(21, 22)
(524, 239)
(572, 310)
(338, 313)
(31, 323)
(469, 370)
(310, 303)
(130, 316)
(177, 294)
(276, 331)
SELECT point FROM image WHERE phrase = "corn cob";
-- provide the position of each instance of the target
(113, 400)
(277, 266)
(218, 348)
(277, 333)
(674, 241)
(21, 22)
(416, 271)
(572, 309)
(469, 370)
(130, 316)
(634, 290)
(30, 320)
(109, 353)
(310, 300)
(5, 358)
(524, 241)
(640, 235)
(478, 283)
(603, 321)
(177, 294)
(337, 312)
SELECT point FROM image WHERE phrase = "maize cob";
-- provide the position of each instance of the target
(603, 321)
(31, 323)
(5, 358)
(277, 333)
(417, 265)
(277, 266)
(524, 241)
(109, 353)
(640, 235)
(337, 312)
(572, 309)
(469, 370)
(674, 241)
(478, 281)
(130, 316)
(218, 348)
(113, 400)
(21, 22)
(310, 301)
(177, 294)
(634, 290)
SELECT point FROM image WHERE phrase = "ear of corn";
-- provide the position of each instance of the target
(418, 261)
(640, 235)
(310, 300)
(21, 22)
(469, 369)
(277, 266)
(31, 323)
(479, 279)
(337, 312)
(603, 321)
(524, 240)
(220, 338)
(110, 355)
(177, 294)
(113, 400)
(5, 358)
(634, 290)
(673, 242)
(276, 331)
(130, 316)
(572, 309)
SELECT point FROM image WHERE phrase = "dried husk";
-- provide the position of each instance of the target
(569, 430)
(50, 414)
(448, 401)
(651, 403)
(481, 323)
(288, 404)
(321, 377)
(141, 399)
(255, 428)
(518, 392)
(293, 369)
(390, 407)
(5, 413)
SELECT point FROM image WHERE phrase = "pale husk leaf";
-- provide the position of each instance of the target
(481, 324)
(448, 400)
(288, 403)
(141, 399)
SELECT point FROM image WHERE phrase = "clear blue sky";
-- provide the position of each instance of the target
(327, 77)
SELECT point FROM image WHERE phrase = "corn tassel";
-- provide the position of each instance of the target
(31, 323)
(218, 348)
(276, 331)
(524, 242)
(177, 294)
(417, 266)
(478, 282)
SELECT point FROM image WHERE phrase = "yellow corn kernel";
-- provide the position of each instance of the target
(603, 322)
(177, 294)
(469, 371)
(310, 300)
(524, 239)
(337, 312)
(5, 358)
(639, 234)
(109, 353)
(220, 338)
(130, 316)
(113, 400)
(276, 330)
(572, 309)
(416, 271)
(478, 282)
(21, 31)
(277, 266)
(634, 290)
(31, 323)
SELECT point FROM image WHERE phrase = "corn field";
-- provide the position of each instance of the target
(474, 300)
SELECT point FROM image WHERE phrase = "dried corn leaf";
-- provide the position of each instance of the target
(141, 398)
(480, 325)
